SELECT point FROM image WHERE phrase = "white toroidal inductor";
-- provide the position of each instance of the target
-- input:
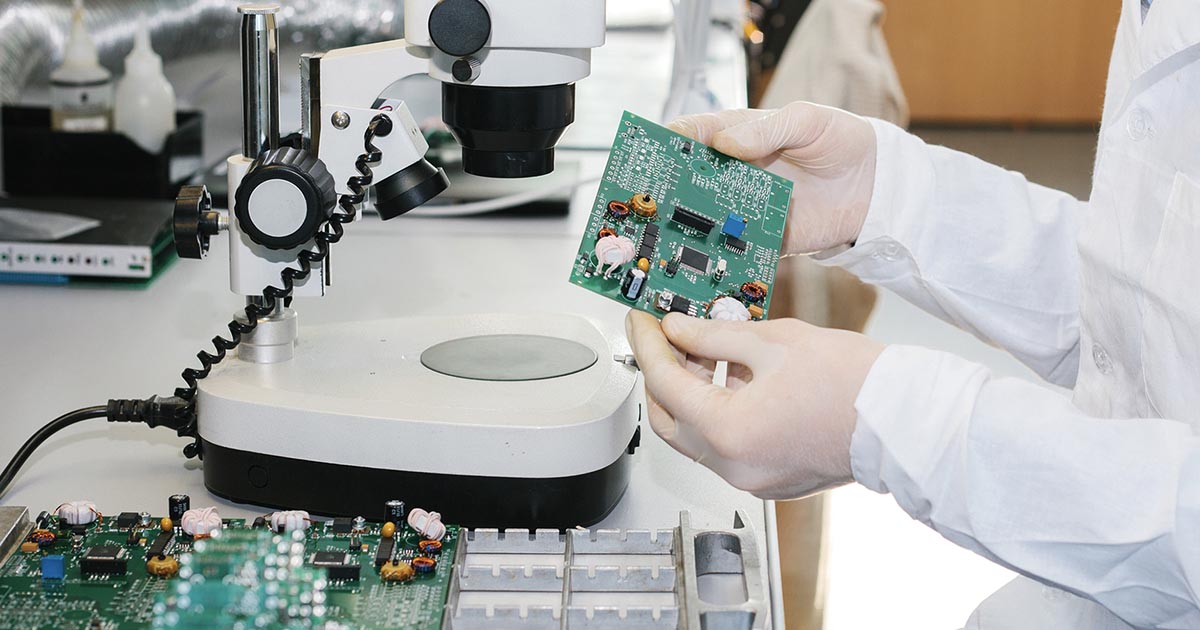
(427, 524)
(200, 521)
(613, 251)
(290, 520)
(729, 309)
(77, 512)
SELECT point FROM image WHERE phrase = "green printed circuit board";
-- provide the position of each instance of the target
(333, 575)
(680, 227)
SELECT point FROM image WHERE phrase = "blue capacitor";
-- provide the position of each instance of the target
(54, 567)
(734, 225)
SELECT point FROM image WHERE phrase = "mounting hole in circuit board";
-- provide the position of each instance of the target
(704, 168)
(508, 357)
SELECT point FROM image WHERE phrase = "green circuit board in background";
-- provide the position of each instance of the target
(708, 208)
(243, 583)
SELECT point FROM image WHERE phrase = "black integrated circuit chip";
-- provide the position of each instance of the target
(680, 304)
(342, 525)
(104, 560)
(383, 554)
(693, 259)
(695, 220)
(649, 242)
(735, 244)
(160, 545)
(338, 565)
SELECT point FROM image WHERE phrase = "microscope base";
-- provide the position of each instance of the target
(496, 420)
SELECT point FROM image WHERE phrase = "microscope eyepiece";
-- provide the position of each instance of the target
(508, 131)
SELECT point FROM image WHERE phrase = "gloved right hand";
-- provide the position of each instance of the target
(828, 153)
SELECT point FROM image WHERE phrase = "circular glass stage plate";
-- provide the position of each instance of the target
(508, 357)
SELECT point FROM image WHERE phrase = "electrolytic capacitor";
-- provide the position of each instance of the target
(633, 284)
(394, 512)
(177, 504)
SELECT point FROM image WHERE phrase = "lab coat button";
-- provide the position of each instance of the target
(1138, 125)
(891, 251)
(1100, 356)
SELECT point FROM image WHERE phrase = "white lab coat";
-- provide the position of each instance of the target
(1096, 498)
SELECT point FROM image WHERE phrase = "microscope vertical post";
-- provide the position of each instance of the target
(260, 79)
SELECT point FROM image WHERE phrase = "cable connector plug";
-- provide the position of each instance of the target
(172, 412)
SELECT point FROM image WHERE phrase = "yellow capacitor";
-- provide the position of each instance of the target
(756, 311)
(165, 566)
(388, 530)
(29, 546)
(644, 206)
(644, 265)
(396, 572)
(166, 524)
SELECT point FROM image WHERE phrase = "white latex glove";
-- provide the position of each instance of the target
(781, 426)
(827, 152)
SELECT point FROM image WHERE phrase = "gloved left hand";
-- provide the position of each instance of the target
(781, 426)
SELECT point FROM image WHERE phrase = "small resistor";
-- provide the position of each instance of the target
(290, 521)
(427, 524)
(77, 512)
(200, 521)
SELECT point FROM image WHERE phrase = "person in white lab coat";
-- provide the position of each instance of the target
(1094, 499)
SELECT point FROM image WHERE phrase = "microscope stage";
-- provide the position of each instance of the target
(522, 420)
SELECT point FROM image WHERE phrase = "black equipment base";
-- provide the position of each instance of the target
(471, 501)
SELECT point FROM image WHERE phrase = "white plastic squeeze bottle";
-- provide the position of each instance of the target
(145, 104)
(80, 88)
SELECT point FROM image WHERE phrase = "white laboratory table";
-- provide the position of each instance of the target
(70, 347)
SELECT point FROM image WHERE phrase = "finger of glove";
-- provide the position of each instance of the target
(700, 366)
(791, 128)
(702, 127)
(689, 398)
(664, 424)
(736, 342)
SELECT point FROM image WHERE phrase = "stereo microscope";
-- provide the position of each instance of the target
(503, 420)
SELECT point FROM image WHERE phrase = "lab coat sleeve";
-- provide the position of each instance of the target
(1108, 509)
(975, 245)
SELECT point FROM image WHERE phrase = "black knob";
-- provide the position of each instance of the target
(284, 198)
(460, 27)
(195, 222)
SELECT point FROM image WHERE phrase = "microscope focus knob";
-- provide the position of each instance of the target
(195, 222)
(460, 27)
(284, 198)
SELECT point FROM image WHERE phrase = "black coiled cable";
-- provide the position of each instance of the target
(330, 232)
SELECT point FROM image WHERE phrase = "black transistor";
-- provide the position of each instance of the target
(125, 520)
(342, 525)
(680, 304)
